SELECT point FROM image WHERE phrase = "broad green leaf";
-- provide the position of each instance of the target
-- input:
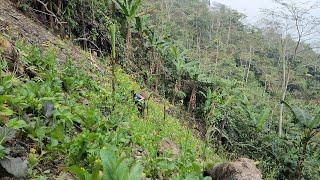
(136, 172)
(1, 89)
(134, 8)
(117, 168)
(7, 82)
(58, 132)
(108, 160)
(17, 124)
(95, 174)
(40, 132)
(122, 6)
(122, 170)
(262, 119)
(3, 151)
(6, 134)
(301, 117)
(5, 111)
(80, 172)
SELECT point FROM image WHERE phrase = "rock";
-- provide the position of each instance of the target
(48, 109)
(6, 47)
(15, 166)
(241, 169)
(138, 152)
(4, 175)
(9, 53)
(167, 146)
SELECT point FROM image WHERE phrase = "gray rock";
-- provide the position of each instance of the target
(15, 166)
(48, 109)
(241, 169)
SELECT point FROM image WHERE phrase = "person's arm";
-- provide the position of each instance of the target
(139, 97)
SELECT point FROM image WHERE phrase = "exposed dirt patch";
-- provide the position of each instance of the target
(167, 146)
(19, 26)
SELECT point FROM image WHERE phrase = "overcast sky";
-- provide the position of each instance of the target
(252, 8)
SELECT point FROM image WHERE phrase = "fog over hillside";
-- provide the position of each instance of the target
(254, 10)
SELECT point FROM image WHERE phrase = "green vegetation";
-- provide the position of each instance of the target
(236, 80)
(82, 122)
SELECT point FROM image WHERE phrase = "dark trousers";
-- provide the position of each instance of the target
(141, 107)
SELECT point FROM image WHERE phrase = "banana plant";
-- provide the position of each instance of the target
(310, 126)
(153, 41)
(129, 8)
(179, 62)
(259, 118)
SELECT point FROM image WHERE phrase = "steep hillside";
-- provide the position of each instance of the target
(252, 92)
(61, 118)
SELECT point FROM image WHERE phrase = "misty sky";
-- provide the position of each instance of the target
(252, 7)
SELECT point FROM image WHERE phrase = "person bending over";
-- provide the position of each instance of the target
(139, 101)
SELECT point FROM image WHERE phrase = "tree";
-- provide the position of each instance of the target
(297, 21)
(129, 8)
(153, 42)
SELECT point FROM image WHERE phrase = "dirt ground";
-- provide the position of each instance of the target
(17, 25)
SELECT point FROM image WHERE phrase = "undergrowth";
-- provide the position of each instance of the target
(65, 115)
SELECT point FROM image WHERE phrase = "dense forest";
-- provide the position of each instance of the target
(216, 89)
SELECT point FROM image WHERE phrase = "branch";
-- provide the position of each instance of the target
(50, 13)
(85, 39)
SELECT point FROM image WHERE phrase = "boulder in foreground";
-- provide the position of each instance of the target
(241, 169)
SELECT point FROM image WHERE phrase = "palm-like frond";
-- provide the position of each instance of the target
(123, 6)
(134, 6)
(128, 8)
(303, 118)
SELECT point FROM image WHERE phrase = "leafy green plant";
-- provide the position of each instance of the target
(117, 168)
(129, 8)
(83, 174)
(308, 125)
(5, 135)
(260, 118)
(17, 123)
